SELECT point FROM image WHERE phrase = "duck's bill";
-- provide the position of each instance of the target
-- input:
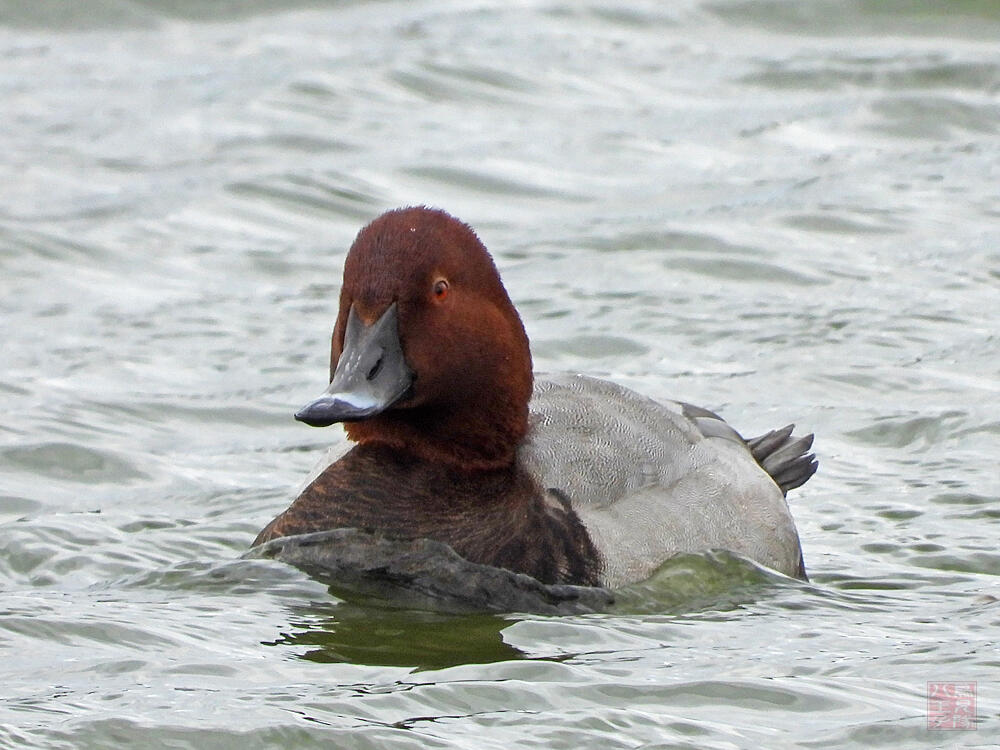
(371, 373)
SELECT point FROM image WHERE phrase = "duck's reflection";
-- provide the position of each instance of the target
(365, 632)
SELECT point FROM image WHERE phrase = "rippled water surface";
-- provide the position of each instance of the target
(782, 210)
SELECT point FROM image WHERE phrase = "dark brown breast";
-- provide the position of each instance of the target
(496, 517)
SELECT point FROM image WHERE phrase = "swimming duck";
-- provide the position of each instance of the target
(569, 479)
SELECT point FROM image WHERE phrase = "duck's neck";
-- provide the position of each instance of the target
(482, 438)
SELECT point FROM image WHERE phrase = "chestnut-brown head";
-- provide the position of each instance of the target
(428, 353)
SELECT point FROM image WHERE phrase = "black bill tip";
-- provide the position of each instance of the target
(324, 412)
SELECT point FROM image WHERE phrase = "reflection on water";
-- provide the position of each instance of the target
(371, 633)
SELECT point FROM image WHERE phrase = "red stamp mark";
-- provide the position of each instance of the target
(951, 705)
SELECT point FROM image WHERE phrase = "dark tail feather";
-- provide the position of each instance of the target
(784, 457)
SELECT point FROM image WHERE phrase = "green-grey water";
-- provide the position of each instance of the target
(780, 210)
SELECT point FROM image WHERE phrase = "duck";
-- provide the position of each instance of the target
(565, 478)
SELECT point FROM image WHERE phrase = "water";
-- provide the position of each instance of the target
(779, 210)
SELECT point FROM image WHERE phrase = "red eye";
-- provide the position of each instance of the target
(440, 289)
